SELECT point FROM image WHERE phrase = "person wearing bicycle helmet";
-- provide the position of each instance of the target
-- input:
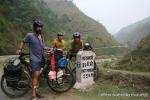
(75, 45)
(36, 49)
(87, 47)
(59, 42)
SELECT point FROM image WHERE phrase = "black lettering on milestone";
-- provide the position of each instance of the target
(91, 63)
(83, 58)
(87, 75)
(83, 65)
(83, 75)
(87, 57)
(88, 63)
(83, 70)
(92, 74)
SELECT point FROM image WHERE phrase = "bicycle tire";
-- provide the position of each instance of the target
(13, 94)
(96, 71)
(60, 87)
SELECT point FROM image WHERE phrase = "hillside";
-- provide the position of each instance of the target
(16, 20)
(91, 30)
(58, 16)
(132, 34)
(138, 59)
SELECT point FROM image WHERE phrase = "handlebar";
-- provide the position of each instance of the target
(23, 54)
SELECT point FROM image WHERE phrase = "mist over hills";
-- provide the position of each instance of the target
(132, 34)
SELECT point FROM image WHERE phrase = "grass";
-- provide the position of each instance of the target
(101, 90)
(104, 90)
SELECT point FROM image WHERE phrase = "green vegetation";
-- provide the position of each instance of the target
(138, 59)
(104, 90)
(106, 64)
(111, 51)
(16, 21)
(101, 90)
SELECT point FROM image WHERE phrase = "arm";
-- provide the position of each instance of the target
(46, 48)
(22, 45)
(24, 41)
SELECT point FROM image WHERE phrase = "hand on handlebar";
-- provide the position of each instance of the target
(18, 51)
(51, 50)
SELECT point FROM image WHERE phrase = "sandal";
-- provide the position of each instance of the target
(33, 98)
(39, 96)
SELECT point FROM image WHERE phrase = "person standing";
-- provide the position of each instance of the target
(36, 49)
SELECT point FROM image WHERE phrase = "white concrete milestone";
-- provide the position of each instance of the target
(84, 69)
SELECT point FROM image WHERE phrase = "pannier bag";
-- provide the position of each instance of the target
(58, 53)
(12, 73)
(52, 74)
(52, 62)
(62, 63)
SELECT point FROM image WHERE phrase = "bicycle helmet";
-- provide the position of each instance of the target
(60, 34)
(38, 23)
(87, 46)
(76, 35)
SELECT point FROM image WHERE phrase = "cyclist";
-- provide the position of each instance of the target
(59, 41)
(56, 51)
(36, 49)
(75, 45)
(87, 47)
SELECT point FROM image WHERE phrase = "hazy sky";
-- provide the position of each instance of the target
(115, 14)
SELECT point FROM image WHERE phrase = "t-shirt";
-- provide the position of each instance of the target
(59, 44)
(75, 47)
(36, 46)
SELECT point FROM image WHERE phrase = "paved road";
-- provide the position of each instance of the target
(3, 58)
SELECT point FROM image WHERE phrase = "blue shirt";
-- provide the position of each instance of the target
(36, 47)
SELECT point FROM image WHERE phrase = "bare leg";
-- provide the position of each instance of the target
(35, 82)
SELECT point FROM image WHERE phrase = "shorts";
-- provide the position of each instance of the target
(36, 66)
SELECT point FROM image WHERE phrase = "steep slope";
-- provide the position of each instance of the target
(75, 20)
(132, 34)
(16, 21)
(138, 59)
(57, 15)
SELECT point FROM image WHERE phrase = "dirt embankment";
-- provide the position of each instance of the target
(126, 78)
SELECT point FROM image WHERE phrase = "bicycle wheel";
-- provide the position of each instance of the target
(71, 65)
(16, 89)
(63, 83)
(96, 71)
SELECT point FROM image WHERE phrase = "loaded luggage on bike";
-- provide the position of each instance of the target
(12, 73)
(57, 63)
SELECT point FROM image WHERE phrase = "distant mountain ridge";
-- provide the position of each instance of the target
(133, 33)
